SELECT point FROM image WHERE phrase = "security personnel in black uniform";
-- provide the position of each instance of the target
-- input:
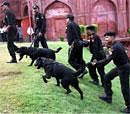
(40, 28)
(122, 69)
(75, 53)
(10, 22)
(96, 49)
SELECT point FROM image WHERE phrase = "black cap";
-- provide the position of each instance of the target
(91, 27)
(5, 3)
(70, 16)
(110, 33)
(35, 7)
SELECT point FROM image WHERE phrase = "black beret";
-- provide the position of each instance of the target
(110, 33)
(91, 27)
(35, 7)
(70, 16)
(5, 3)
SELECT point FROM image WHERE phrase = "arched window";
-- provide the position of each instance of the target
(25, 13)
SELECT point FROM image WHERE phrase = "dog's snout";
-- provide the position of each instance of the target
(35, 64)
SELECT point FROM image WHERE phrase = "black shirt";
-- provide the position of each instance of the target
(40, 23)
(73, 32)
(10, 18)
(118, 55)
(95, 44)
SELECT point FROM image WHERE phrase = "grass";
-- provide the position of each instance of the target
(23, 91)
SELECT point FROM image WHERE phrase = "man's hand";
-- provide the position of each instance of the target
(94, 62)
(39, 34)
(6, 28)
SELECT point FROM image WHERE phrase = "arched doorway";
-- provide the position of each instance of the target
(25, 13)
(104, 14)
(55, 15)
(25, 21)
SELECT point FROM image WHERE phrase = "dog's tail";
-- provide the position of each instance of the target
(56, 51)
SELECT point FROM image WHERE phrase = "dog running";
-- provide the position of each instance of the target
(34, 53)
(63, 74)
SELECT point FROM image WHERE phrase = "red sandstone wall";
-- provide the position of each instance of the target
(108, 14)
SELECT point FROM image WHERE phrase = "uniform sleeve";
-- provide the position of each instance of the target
(105, 61)
(43, 29)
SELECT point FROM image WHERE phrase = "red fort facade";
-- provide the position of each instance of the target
(109, 15)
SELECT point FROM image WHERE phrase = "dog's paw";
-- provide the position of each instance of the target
(29, 65)
(44, 79)
(81, 98)
(57, 84)
(68, 91)
(20, 59)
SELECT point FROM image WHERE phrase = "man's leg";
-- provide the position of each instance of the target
(124, 74)
(93, 74)
(36, 42)
(43, 42)
(102, 73)
(11, 51)
(10, 45)
(108, 85)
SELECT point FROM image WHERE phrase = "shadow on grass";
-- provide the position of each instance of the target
(10, 73)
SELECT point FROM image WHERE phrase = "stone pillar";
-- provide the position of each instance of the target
(128, 8)
(122, 19)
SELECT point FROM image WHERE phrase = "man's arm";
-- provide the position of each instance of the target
(102, 62)
(43, 29)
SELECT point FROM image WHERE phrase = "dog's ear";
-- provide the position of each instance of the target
(25, 48)
(43, 60)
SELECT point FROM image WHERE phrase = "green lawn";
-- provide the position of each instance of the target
(23, 91)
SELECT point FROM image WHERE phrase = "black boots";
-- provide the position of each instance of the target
(95, 82)
(12, 61)
(126, 110)
(106, 98)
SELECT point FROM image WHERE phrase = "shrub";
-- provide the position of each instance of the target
(128, 30)
(61, 38)
(82, 29)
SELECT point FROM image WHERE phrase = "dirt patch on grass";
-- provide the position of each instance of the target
(11, 73)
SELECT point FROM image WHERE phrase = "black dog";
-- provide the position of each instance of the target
(60, 72)
(34, 53)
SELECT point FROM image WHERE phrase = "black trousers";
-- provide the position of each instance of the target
(124, 75)
(11, 35)
(40, 39)
(75, 59)
(100, 68)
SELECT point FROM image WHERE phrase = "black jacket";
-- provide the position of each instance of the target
(96, 48)
(40, 23)
(73, 32)
(10, 18)
(118, 56)
(95, 44)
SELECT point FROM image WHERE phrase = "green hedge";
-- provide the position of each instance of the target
(83, 28)
(128, 30)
